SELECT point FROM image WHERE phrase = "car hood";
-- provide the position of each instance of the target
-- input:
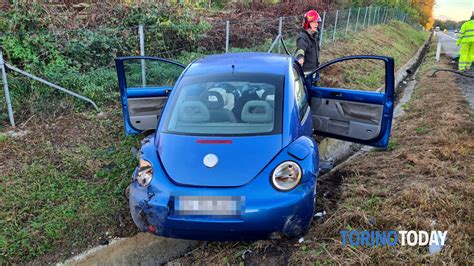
(240, 159)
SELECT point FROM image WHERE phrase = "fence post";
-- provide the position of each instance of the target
(365, 16)
(357, 20)
(280, 26)
(142, 53)
(368, 18)
(322, 29)
(335, 26)
(347, 23)
(5, 89)
(379, 14)
(374, 18)
(227, 29)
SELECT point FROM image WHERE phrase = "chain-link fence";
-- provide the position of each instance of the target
(82, 60)
(259, 34)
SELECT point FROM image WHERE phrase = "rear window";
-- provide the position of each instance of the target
(226, 104)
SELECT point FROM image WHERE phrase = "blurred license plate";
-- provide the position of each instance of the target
(209, 205)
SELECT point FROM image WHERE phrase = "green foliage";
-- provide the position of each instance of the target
(448, 24)
(81, 60)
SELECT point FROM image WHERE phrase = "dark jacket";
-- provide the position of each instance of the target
(307, 46)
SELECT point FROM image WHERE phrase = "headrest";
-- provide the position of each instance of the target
(257, 112)
(193, 112)
(222, 92)
(212, 99)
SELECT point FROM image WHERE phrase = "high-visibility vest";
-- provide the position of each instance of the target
(466, 35)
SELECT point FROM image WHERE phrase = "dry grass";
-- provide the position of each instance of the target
(428, 177)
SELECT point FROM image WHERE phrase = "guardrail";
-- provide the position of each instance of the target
(4, 66)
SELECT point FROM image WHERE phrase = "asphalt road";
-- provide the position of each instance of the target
(467, 86)
(449, 48)
(448, 43)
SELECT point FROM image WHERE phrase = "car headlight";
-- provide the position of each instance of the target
(286, 176)
(145, 173)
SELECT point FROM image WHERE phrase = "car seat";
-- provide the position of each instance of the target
(249, 94)
(269, 97)
(193, 112)
(214, 101)
(229, 99)
(257, 112)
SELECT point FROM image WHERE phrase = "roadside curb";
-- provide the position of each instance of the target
(140, 249)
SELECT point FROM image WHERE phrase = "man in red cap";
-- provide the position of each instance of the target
(307, 44)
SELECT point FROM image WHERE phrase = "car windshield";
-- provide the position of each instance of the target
(226, 104)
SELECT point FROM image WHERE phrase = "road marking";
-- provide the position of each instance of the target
(449, 36)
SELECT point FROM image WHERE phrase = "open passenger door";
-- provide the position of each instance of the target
(354, 115)
(145, 83)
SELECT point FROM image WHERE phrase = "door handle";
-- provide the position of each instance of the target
(339, 109)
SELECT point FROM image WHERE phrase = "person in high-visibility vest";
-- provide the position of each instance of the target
(466, 40)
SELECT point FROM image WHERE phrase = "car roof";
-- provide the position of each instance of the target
(249, 62)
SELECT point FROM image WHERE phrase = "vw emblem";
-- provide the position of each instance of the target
(210, 160)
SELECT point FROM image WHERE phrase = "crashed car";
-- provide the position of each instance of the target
(228, 152)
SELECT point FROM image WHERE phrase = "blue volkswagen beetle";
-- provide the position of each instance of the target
(228, 152)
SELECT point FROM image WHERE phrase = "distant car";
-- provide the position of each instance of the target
(229, 152)
(456, 31)
(437, 28)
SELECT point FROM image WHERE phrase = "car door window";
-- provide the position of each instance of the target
(352, 104)
(142, 73)
(300, 94)
(360, 74)
(145, 83)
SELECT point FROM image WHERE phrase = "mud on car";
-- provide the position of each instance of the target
(228, 152)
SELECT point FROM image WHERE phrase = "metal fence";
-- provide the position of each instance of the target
(221, 36)
(258, 35)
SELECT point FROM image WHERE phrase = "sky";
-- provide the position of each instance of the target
(454, 9)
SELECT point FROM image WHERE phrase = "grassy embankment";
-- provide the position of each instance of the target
(423, 182)
(61, 185)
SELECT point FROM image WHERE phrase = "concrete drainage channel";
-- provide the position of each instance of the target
(147, 249)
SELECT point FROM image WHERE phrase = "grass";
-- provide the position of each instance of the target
(399, 41)
(70, 192)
